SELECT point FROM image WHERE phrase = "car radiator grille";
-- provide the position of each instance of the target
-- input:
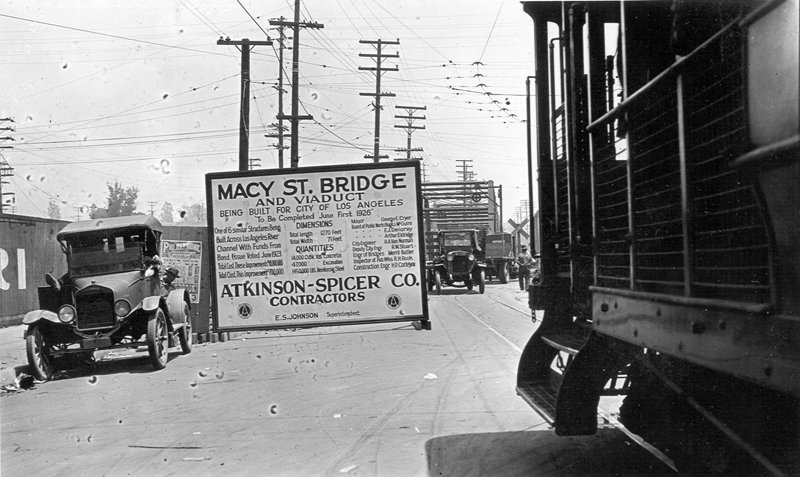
(458, 266)
(95, 310)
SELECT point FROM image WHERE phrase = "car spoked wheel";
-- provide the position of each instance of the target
(438, 282)
(39, 359)
(157, 339)
(185, 333)
(482, 282)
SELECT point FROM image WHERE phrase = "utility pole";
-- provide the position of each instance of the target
(254, 163)
(5, 171)
(296, 117)
(424, 172)
(152, 205)
(279, 127)
(378, 69)
(244, 119)
(466, 175)
(5, 168)
(409, 127)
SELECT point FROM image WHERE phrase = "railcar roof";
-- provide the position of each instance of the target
(110, 223)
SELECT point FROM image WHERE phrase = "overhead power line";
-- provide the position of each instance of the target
(110, 35)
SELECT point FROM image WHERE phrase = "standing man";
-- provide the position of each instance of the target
(525, 261)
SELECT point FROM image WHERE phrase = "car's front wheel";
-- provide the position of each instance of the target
(38, 350)
(482, 282)
(437, 278)
(157, 339)
(185, 333)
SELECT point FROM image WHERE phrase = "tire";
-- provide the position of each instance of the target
(437, 278)
(185, 333)
(482, 282)
(469, 285)
(503, 275)
(157, 339)
(430, 282)
(39, 360)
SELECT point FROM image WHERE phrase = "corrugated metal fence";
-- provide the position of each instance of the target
(29, 249)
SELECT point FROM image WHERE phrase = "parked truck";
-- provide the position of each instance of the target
(468, 207)
(500, 256)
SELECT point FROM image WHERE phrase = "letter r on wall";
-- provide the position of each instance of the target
(21, 276)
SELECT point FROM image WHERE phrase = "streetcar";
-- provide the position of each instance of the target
(667, 152)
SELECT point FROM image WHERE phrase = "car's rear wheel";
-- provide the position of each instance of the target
(503, 273)
(482, 282)
(437, 278)
(185, 333)
(38, 350)
(157, 339)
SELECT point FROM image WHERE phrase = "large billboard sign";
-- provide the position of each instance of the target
(317, 246)
(187, 257)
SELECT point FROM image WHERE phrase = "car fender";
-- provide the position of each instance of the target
(150, 303)
(175, 301)
(35, 316)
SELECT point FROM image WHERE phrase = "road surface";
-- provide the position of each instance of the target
(368, 400)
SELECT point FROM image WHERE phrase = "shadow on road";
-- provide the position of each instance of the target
(539, 453)
(131, 362)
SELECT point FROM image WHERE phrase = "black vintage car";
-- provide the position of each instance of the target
(460, 261)
(110, 297)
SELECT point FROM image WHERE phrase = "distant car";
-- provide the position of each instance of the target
(460, 260)
(111, 297)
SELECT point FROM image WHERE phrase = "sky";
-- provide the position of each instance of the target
(141, 94)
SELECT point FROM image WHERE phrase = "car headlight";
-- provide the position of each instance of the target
(122, 308)
(66, 313)
(449, 258)
(471, 257)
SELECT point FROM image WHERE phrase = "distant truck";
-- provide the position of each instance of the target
(457, 261)
(500, 256)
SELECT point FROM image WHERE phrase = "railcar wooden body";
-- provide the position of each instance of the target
(668, 163)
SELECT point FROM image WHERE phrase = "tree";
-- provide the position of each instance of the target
(53, 210)
(96, 212)
(121, 201)
(166, 213)
(194, 213)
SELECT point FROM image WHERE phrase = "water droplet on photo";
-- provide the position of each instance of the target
(314, 95)
(193, 384)
(165, 96)
(93, 380)
(326, 116)
(119, 422)
(258, 356)
(273, 409)
(202, 374)
(64, 66)
(220, 375)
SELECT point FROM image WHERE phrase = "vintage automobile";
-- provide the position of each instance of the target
(460, 260)
(111, 297)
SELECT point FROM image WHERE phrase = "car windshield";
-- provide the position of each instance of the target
(457, 239)
(108, 253)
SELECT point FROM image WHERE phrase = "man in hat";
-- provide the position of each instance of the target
(169, 277)
(525, 262)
